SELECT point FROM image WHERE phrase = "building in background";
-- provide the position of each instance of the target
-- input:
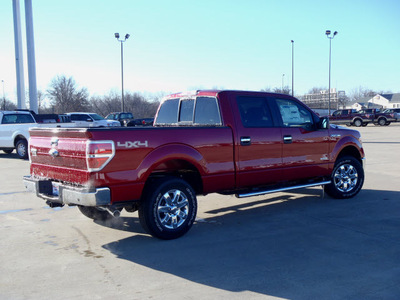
(320, 100)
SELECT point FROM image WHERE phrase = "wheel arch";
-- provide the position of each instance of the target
(179, 161)
(350, 150)
(19, 137)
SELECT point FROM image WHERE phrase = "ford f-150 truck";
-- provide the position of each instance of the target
(228, 142)
(351, 117)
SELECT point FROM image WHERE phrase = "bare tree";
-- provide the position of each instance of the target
(66, 97)
(317, 90)
(7, 104)
(139, 105)
(360, 93)
(285, 90)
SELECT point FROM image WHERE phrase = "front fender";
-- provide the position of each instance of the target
(347, 143)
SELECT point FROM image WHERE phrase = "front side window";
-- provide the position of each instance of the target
(96, 117)
(293, 114)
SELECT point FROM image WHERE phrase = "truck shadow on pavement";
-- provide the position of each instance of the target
(302, 248)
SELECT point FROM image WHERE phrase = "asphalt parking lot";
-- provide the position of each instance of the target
(297, 245)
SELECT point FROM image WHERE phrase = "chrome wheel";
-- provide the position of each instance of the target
(168, 207)
(345, 178)
(173, 209)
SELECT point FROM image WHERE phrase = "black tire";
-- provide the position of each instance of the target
(22, 149)
(94, 213)
(8, 151)
(357, 123)
(382, 121)
(347, 178)
(168, 208)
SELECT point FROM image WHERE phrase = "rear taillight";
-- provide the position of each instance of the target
(99, 154)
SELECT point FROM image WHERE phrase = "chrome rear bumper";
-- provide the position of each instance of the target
(46, 190)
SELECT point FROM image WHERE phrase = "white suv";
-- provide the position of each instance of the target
(83, 119)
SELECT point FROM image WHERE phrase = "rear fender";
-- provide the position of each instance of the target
(168, 153)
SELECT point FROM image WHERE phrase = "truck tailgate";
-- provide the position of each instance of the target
(59, 154)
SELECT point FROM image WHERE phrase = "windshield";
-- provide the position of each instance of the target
(96, 117)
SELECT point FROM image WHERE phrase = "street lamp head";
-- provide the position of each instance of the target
(328, 32)
(116, 35)
(127, 36)
(335, 33)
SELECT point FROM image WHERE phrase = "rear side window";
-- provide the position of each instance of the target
(207, 112)
(254, 112)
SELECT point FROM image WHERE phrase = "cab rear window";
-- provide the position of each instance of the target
(198, 111)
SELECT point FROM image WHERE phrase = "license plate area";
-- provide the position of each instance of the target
(55, 188)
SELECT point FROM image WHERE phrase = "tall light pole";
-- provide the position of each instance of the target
(292, 68)
(283, 76)
(4, 98)
(330, 37)
(122, 65)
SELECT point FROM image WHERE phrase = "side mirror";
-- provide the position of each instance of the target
(89, 120)
(323, 123)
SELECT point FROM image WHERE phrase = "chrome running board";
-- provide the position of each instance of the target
(258, 193)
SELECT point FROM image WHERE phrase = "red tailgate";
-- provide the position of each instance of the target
(59, 154)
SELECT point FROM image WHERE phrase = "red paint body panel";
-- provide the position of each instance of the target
(216, 153)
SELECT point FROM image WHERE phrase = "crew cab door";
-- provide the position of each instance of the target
(305, 146)
(258, 142)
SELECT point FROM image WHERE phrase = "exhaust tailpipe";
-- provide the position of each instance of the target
(115, 213)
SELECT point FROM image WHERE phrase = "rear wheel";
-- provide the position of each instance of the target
(168, 208)
(347, 178)
(22, 149)
(382, 122)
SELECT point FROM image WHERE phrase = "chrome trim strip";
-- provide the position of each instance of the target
(282, 189)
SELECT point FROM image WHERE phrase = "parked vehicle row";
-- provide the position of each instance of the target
(352, 117)
(15, 125)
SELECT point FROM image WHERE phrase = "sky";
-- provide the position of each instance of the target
(180, 45)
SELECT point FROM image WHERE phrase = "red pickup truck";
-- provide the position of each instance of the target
(351, 117)
(228, 142)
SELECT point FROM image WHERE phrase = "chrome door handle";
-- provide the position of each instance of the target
(287, 139)
(245, 141)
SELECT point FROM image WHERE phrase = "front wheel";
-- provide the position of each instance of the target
(168, 208)
(358, 123)
(382, 121)
(347, 178)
